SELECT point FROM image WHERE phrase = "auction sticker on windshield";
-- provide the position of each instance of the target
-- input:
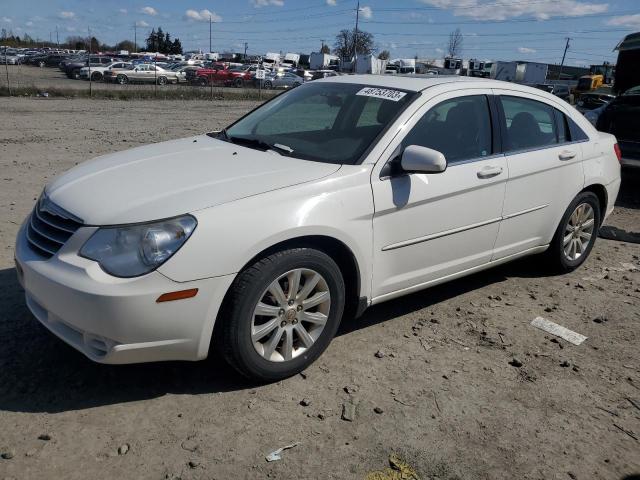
(385, 93)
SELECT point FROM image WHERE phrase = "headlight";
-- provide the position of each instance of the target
(134, 250)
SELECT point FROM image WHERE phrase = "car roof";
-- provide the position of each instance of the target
(413, 83)
(418, 82)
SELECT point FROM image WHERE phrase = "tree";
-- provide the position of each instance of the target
(325, 49)
(176, 47)
(346, 40)
(127, 45)
(384, 55)
(95, 45)
(454, 48)
(160, 41)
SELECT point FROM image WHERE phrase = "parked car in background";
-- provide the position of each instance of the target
(323, 74)
(560, 91)
(621, 117)
(285, 80)
(141, 73)
(185, 72)
(97, 72)
(73, 67)
(340, 194)
(593, 115)
(593, 100)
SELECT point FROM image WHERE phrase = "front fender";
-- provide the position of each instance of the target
(230, 235)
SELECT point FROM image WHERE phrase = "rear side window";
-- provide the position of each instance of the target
(561, 125)
(529, 123)
(459, 128)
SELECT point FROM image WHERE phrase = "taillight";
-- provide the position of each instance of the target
(616, 149)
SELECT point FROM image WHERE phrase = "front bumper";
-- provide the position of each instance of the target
(113, 320)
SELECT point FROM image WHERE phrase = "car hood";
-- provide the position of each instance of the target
(176, 177)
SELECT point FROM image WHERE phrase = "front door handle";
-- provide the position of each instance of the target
(566, 155)
(490, 171)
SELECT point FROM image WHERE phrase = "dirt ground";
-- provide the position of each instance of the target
(450, 400)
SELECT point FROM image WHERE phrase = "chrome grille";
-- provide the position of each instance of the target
(49, 228)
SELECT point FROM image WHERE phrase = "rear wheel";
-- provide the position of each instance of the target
(75, 74)
(281, 314)
(96, 76)
(268, 84)
(576, 234)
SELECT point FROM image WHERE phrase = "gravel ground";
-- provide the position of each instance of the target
(432, 377)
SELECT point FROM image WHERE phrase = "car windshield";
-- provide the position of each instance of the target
(325, 122)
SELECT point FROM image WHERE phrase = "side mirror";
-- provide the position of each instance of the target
(417, 159)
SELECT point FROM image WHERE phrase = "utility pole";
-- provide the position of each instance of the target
(135, 37)
(246, 45)
(322, 48)
(355, 39)
(210, 20)
(566, 47)
(57, 38)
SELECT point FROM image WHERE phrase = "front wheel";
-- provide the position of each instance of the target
(162, 80)
(268, 85)
(122, 79)
(281, 314)
(576, 234)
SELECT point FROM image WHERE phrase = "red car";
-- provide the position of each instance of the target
(221, 74)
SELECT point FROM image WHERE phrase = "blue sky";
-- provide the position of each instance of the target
(493, 29)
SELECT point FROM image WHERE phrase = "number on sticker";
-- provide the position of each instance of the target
(384, 93)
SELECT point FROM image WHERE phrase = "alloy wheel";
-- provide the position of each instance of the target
(579, 231)
(290, 315)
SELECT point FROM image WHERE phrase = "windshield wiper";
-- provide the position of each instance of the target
(256, 142)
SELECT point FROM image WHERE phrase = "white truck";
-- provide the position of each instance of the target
(321, 61)
(531, 73)
(505, 71)
(371, 64)
(271, 58)
(291, 60)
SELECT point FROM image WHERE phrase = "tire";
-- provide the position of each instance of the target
(122, 79)
(202, 82)
(75, 74)
(588, 220)
(252, 357)
(96, 77)
(268, 85)
(162, 80)
(238, 83)
(42, 64)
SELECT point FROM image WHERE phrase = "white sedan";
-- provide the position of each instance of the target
(339, 194)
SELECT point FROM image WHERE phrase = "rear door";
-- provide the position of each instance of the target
(545, 170)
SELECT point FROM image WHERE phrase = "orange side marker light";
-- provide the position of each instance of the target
(179, 295)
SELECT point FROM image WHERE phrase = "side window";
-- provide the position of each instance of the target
(459, 128)
(561, 125)
(577, 134)
(529, 123)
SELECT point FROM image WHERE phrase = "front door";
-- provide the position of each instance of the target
(428, 227)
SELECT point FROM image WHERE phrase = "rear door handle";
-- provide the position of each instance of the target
(566, 155)
(490, 171)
